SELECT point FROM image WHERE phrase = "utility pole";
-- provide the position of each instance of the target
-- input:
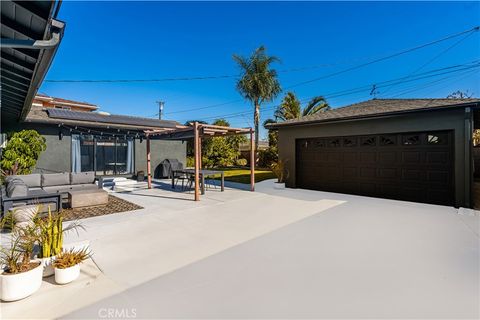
(161, 104)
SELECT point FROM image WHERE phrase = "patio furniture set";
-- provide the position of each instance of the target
(52, 190)
(189, 175)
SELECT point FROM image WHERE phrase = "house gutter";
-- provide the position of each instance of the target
(31, 44)
(48, 49)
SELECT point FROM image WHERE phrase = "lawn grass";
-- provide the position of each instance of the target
(243, 175)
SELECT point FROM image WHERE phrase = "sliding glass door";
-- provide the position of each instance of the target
(104, 156)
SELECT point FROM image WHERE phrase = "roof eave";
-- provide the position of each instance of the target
(276, 126)
(45, 60)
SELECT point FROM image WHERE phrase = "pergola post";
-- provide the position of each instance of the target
(252, 161)
(149, 169)
(197, 160)
(200, 152)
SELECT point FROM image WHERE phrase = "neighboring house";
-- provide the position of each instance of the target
(408, 149)
(244, 149)
(45, 101)
(78, 139)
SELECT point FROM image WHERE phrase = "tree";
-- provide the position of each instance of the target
(22, 152)
(272, 134)
(459, 95)
(258, 82)
(221, 151)
(290, 108)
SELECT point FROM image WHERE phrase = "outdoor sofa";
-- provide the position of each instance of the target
(45, 189)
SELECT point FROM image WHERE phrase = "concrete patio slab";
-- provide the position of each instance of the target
(280, 254)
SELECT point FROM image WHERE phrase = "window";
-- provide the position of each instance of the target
(63, 107)
(369, 141)
(388, 140)
(105, 156)
(87, 147)
(349, 142)
(436, 138)
(334, 143)
(412, 139)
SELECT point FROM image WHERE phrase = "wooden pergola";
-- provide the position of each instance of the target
(197, 131)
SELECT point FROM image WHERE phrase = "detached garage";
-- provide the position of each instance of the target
(406, 149)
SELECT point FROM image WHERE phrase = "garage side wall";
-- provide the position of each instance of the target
(414, 122)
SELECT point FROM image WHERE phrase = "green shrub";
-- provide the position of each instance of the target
(22, 152)
(190, 161)
(242, 162)
(267, 157)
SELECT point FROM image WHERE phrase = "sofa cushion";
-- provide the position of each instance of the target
(33, 180)
(82, 177)
(65, 189)
(17, 188)
(55, 179)
(56, 189)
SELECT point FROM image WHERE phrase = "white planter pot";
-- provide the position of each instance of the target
(18, 286)
(64, 276)
(48, 269)
(279, 185)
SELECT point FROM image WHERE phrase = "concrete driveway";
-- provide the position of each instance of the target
(282, 254)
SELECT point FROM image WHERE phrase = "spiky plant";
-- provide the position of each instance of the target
(70, 258)
(17, 258)
(51, 233)
(278, 168)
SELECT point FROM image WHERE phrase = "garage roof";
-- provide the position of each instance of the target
(377, 108)
(24, 60)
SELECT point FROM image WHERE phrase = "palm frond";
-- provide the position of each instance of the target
(315, 105)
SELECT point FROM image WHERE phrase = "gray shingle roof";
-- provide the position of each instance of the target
(377, 107)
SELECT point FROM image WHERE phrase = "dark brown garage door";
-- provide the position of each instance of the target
(408, 166)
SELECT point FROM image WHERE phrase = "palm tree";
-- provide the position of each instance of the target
(258, 82)
(290, 108)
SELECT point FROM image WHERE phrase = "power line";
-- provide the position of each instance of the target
(456, 77)
(287, 70)
(435, 57)
(475, 29)
(467, 32)
(424, 75)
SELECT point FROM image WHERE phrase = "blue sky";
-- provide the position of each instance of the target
(146, 40)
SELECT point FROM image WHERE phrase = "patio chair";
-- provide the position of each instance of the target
(183, 177)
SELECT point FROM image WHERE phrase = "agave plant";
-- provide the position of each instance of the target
(278, 168)
(70, 258)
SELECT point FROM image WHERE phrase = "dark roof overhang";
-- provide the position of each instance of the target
(30, 36)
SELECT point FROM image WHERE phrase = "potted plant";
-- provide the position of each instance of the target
(20, 276)
(51, 239)
(278, 168)
(67, 265)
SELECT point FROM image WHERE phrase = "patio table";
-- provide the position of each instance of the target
(203, 173)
